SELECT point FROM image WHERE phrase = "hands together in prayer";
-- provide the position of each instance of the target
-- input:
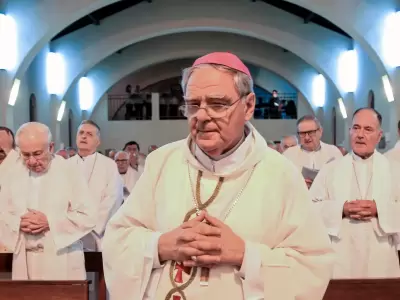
(363, 210)
(34, 222)
(202, 241)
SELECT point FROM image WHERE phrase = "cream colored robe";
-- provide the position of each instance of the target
(364, 249)
(5, 168)
(314, 159)
(71, 213)
(287, 254)
(106, 186)
(129, 179)
(394, 153)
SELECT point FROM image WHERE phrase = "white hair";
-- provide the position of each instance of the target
(243, 82)
(33, 129)
(121, 152)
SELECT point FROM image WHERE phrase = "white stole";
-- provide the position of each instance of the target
(381, 193)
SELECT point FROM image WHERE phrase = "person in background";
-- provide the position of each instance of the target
(287, 142)
(357, 196)
(71, 151)
(311, 154)
(271, 144)
(136, 158)
(49, 209)
(129, 175)
(102, 176)
(342, 150)
(223, 242)
(152, 148)
(63, 153)
(111, 153)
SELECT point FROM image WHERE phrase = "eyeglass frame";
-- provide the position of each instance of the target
(225, 106)
(311, 133)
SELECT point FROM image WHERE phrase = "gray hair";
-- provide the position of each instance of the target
(309, 118)
(243, 82)
(289, 136)
(121, 152)
(34, 128)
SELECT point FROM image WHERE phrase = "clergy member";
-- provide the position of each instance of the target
(212, 216)
(8, 160)
(311, 154)
(287, 142)
(101, 174)
(359, 199)
(129, 175)
(136, 159)
(49, 209)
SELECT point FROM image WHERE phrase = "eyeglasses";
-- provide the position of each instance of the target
(311, 133)
(215, 111)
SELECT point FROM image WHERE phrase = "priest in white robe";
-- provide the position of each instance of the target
(359, 199)
(102, 176)
(129, 175)
(311, 154)
(258, 240)
(48, 210)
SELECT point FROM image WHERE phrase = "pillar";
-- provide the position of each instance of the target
(155, 106)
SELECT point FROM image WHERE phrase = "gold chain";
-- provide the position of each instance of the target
(198, 207)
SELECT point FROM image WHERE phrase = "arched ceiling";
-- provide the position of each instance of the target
(317, 46)
(187, 45)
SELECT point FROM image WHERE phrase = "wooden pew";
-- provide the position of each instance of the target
(363, 289)
(93, 263)
(44, 290)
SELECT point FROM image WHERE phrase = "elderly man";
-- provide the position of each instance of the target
(63, 153)
(101, 175)
(287, 142)
(311, 154)
(129, 175)
(49, 209)
(196, 225)
(8, 156)
(358, 196)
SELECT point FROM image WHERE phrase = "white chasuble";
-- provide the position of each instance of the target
(106, 186)
(314, 160)
(364, 249)
(287, 252)
(63, 196)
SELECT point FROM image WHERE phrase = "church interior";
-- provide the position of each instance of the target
(105, 80)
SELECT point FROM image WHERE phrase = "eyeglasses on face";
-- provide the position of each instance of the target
(215, 111)
(311, 133)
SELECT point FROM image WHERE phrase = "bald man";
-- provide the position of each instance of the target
(287, 142)
(50, 209)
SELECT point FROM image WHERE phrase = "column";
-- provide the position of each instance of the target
(155, 106)
(349, 103)
(4, 94)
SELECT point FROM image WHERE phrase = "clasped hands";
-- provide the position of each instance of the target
(362, 210)
(34, 222)
(202, 241)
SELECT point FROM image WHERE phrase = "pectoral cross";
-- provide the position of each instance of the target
(181, 268)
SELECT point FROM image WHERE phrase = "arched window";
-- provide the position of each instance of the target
(32, 108)
(70, 127)
(371, 99)
(334, 124)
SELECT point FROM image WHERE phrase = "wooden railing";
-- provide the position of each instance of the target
(352, 289)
